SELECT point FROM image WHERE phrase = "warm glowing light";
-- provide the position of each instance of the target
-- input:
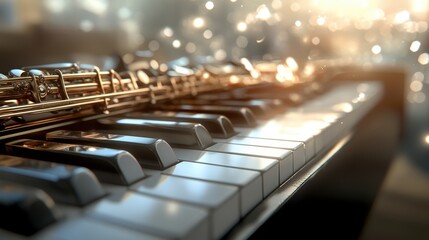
(198, 22)
(154, 64)
(343, 107)
(376, 49)
(163, 67)
(168, 32)
(298, 23)
(234, 79)
(290, 61)
(220, 54)
(415, 46)
(284, 74)
(209, 5)
(176, 43)
(263, 12)
(142, 76)
(249, 67)
(309, 70)
(402, 17)
(207, 34)
(241, 26)
(315, 40)
(416, 86)
(246, 63)
(419, 5)
(320, 20)
(423, 58)
(361, 97)
(426, 139)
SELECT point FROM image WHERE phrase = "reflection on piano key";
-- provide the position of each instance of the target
(109, 165)
(276, 134)
(25, 210)
(218, 125)
(64, 183)
(221, 201)
(249, 182)
(239, 116)
(160, 217)
(181, 134)
(297, 148)
(284, 156)
(269, 168)
(150, 152)
(259, 108)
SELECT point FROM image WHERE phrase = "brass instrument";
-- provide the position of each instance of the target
(61, 89)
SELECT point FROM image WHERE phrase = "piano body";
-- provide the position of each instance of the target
(219, 150)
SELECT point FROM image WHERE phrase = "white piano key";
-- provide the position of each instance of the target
(269, 168)
(297, 148)
(272, 132)
(284, 156)
(249, 182)
(221, 200)
(299, 126)
(160, 217)
(85, 228)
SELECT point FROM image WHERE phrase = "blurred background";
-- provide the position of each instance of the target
(102, 32)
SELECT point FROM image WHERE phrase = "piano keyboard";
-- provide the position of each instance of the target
(181, 171)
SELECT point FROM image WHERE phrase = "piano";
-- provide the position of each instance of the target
(224, 120)
(202, 152)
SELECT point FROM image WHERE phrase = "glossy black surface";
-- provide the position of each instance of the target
(25, 210)
(64, 183)
(239, 116)
(150, 152)
(218, 125)
(179, 134)
(105, 162)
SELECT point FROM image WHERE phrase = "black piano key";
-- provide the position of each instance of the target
(276, 105)
(109, 165)
(25, 210)
(152, 153)
(259, 108)
(218, 125)
(183, 134)
(239, 116)
(64, 183)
